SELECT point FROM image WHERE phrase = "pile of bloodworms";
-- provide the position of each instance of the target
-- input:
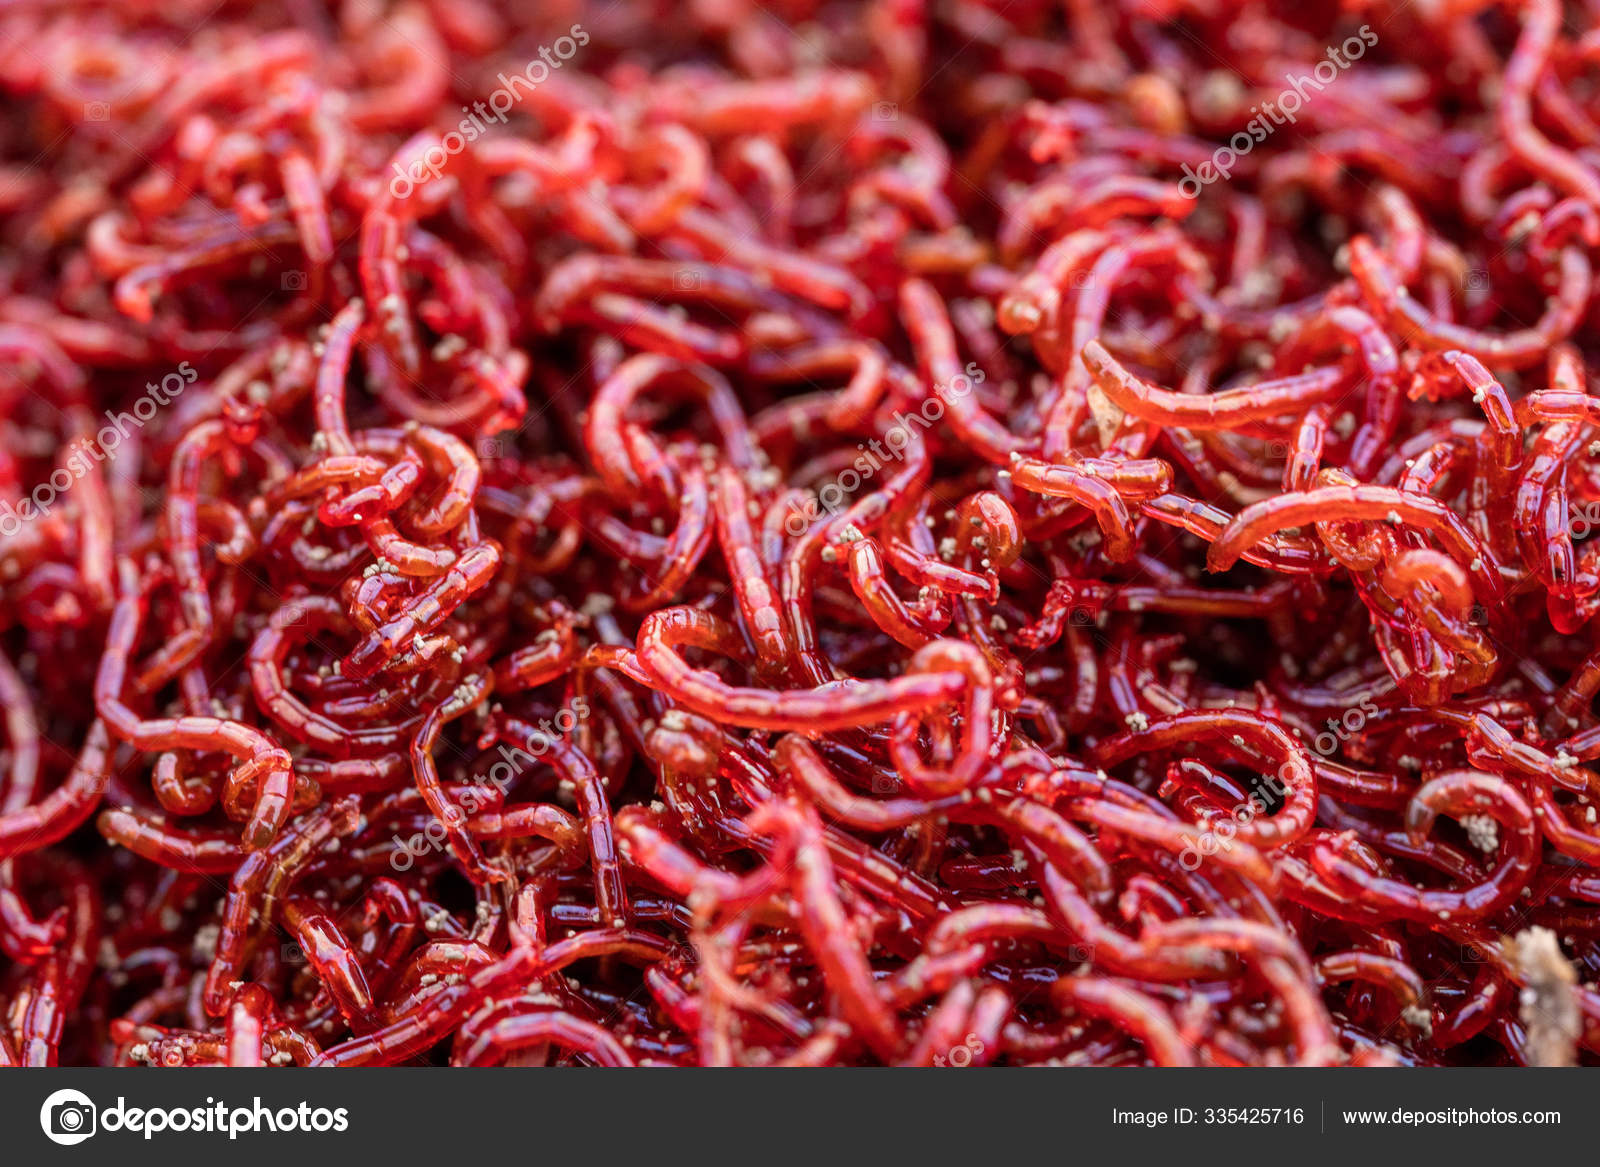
(911, 532)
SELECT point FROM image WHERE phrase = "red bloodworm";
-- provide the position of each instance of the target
(645, 847)
(576, 280)
(1139, 1014)
(685, 547)
(23, 937)
(807, 277)
(1568, 220)
(1573, 698)
(685, 163)
(610, 453)
(1556, 826)
(247, 1021)
(1278, 959)
(752, 585)
(977, 726)
(862, 717)
(330, 954)
(149, 836)
(433, 1018)
(450, 458)
(1105, 489)
(949, 381)
(1286, 553)
(798, 760)
(964, 1029)
(1559, 167)
(1104, 201)
(1568, 403)
(404, 555)
(471, 693)
(1455, 792)
(201, 446)
(987, 526)
(651, 327)
(861, 865)
(915, 178)
(1033, 302)
(1224, 410)
(822, 920)
(1481, 1003)
(332, 371)
(292, 625)
(836, 705)
(533, 821)
(1116, 952)
(1296, 779)
(1067, 848)
(23, 740)
(393, 486)
(259, 884)
(1275, 514)
(1541, 517)
(354, 775)
(1122, 262)
(303, 192)
(1386, 971)
(424, 612)
(1238, 855)
(553, 653)
(1519, 349)
(575, 767)
(518, 1025)
(136, 292)
(913, 553)
(1341, 325)
(61, 978)
(260, 759)
(1494, 747)
(913, 625)
(1423, 574)
(382, 238)
(796, 580)
(867, 364)
(1488, 393)
(36, 825)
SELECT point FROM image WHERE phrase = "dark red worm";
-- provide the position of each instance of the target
(896, 533)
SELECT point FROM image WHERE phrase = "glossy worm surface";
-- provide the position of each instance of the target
(919, 533)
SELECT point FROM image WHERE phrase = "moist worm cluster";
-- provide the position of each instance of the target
(810, 533)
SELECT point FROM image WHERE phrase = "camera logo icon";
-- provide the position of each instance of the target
(68, 1117)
